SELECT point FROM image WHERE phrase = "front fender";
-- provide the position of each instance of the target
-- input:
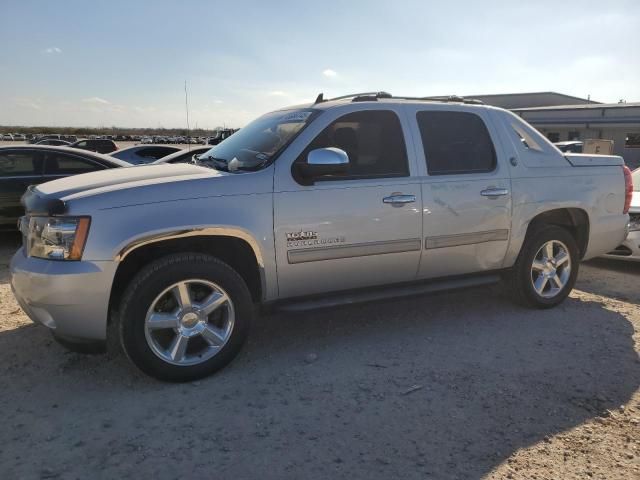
(117, 232)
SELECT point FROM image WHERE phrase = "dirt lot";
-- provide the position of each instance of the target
(462, 385)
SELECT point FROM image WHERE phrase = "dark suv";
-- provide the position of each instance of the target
(98, 145)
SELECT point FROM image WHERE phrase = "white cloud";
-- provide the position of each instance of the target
(329, 73)
(27, 103)
(144, 110)
(52, 50)
(277, 93)
(96, 101)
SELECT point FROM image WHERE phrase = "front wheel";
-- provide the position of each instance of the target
(546, 269)
(184, 317)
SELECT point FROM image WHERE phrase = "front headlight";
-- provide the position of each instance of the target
(57, 238)
(634, 222)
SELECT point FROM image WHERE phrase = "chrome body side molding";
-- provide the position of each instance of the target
(305, 255)
(466, 239)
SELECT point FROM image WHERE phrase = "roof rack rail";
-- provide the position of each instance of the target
(374, 96)
(453, 98)
(357, 97)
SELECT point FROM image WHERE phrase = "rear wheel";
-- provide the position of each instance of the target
(546, 269)
(184, 317)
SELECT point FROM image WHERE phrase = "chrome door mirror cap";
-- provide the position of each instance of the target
(320, 163)
(330, 156)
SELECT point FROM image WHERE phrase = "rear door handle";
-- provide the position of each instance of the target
(399, 199)
(494, 192)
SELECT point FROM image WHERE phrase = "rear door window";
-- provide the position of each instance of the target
(103, 146)
(455, 143)
(64, 164)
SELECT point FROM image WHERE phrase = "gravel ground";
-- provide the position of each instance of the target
(462, 385)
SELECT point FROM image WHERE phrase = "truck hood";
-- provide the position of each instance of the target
(121, 178)
(131, 186)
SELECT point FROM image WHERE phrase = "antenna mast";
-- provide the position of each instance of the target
(186, 106)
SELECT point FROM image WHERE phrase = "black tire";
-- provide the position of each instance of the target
(519, 278)
(155, 278)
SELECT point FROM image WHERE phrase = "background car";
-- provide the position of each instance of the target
(7, 137)
(24, 165)
(54, 142)
(219, 136)
(140, 154)
(100, 145)
(630, 248)
(572, 146)
(183, 155)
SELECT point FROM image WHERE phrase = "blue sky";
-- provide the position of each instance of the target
(124, 63)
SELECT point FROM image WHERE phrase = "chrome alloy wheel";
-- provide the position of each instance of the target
(551, 269)
(189, 322)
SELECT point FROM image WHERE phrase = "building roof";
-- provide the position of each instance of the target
(580, 107)
(601, 114)
(530, 99)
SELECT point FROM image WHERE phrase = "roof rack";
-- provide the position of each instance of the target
(374, 96)
(453, 98)
(355, 97)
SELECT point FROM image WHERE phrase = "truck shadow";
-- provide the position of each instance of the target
(612, 278)
(445, 386)
(9, 243)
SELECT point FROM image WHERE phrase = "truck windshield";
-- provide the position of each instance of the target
(254, 146)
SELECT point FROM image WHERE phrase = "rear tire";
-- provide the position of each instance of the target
(546, 269)
(184, 317)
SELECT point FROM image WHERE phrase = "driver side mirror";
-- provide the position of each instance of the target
(323, 161)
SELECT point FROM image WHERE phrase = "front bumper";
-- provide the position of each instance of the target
(627, 250)
(70, 298)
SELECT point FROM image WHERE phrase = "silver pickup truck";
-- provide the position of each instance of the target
(357, 198)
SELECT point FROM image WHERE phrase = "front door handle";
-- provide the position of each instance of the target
(399, 199)
(494, 192)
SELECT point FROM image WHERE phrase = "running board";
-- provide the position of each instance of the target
(385, 293)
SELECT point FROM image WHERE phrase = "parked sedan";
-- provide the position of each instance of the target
(630, 248)
(24, 165)
(140, 154)
(7, 137)
(98, 145)
(183, 155)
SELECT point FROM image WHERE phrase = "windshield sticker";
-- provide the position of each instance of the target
(296, 117)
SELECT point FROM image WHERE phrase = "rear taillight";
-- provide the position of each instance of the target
(628, 187)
